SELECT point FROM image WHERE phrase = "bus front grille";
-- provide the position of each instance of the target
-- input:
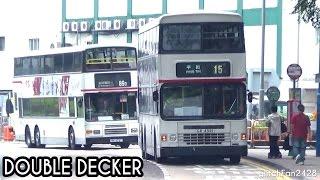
(115, 126)
(115, 131)
(204, 138)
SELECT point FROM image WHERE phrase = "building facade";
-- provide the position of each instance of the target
(51, 24)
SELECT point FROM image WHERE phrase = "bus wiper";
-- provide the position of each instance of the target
(232, 106)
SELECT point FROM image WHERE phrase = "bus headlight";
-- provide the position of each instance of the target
(134, 130)
(88, 131)
(235, 136)
(172, 137)
(243, 136)
(163, 137)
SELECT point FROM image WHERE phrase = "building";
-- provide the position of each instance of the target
(38, 24)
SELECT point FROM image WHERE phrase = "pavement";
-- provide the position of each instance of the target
(286, 165)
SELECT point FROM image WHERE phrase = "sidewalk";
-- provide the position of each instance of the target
(310, 169)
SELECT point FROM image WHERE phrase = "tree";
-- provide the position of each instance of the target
(308, 11)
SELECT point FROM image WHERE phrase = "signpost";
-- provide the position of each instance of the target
(295, 93)
(273, 95)
(294, 71)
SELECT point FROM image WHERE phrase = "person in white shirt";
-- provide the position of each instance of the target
(274, 124)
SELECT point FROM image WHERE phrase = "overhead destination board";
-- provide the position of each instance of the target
(203, 69)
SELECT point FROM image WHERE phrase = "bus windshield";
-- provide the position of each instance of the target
(110, 106)
(112, 58)
(214, 37)
(219, 101)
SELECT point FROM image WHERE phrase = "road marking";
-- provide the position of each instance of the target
(164, 171)
(266, 169)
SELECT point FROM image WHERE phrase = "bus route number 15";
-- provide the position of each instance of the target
(217, 69)
(123, 83)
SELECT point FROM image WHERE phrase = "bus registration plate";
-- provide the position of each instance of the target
(116, 140)
(205, 130)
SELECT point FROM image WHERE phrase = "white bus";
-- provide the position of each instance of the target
(192, 86)
(76, 96)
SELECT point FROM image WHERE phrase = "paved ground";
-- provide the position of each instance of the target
(174, 168)
(286, 165)
(18, 149)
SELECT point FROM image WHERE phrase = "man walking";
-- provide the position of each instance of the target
(300, 125)
(274, 124)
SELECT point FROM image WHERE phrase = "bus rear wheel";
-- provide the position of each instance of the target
(71, 139)
(37, 138)
(27, 138)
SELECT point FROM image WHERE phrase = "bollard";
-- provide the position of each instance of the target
(8, 133)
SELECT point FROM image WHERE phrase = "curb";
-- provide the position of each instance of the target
(268, 163)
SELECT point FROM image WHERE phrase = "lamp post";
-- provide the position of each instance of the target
(261, 92)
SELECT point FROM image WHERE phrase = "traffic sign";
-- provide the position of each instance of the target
(294, 71)
(273, 94)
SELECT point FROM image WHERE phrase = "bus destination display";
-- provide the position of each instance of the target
(112, 80)
(203, 69)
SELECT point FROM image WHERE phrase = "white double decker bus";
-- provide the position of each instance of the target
(76, 96)
(192, 86)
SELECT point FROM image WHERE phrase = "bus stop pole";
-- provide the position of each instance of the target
(318, 114)
(318, 123)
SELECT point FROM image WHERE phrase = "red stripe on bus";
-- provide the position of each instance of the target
(220, 80)
(110, 89)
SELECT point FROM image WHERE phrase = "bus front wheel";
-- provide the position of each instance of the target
(235, 159)
(87, 146)
(124, 145)
(155, 151)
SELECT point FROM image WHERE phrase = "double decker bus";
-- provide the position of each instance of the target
(76, 96)
(192, 86)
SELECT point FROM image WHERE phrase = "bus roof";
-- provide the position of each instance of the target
(70, 49)
(189, 17)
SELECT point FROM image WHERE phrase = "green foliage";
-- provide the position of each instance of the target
(308, 11)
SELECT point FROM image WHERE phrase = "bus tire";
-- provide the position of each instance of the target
(71, 139)
(124, 145)
(145, 155)
(142, 143)
(87, 146)
(235, 159)
(155, 151)
(37, 138)
(27, 138)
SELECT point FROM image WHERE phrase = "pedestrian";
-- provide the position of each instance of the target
(300, 126)
(274, 124)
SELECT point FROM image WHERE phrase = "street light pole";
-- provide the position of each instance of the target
(261, 92)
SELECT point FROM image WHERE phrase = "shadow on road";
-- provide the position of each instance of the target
(183, 161)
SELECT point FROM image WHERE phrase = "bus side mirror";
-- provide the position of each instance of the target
(155, 96)
(9, 107)
(79, 102)
(250, 97)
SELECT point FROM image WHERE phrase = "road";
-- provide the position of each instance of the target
(177, 168)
